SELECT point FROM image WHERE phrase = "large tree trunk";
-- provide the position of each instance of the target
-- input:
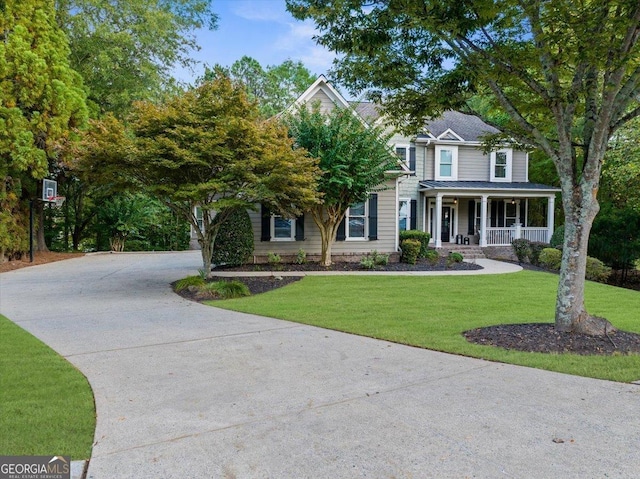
(580, 208)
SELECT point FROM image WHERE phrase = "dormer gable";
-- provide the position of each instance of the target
(450, 135)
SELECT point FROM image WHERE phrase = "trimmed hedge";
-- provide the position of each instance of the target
(417, 235)
(551, 258)
(410, 251)
(234, 242)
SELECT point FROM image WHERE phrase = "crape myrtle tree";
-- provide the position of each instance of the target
(354, 161)
(207, 148)
(566, 72)
(41, 102)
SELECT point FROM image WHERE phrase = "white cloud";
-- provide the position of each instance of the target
(259, 10)
(298, 43)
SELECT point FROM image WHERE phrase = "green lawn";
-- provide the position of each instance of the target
(432, 312)
(46, 404)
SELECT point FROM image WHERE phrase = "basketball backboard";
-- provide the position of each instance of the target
(49, 190)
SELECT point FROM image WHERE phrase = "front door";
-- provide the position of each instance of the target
(445, 235)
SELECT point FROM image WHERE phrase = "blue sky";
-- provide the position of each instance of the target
(262, 29)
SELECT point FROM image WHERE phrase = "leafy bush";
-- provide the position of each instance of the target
(184, 283)
(535, 249)
(557, 239)
(274, 259)
(301, 257)
(597, 270)
(522, 249)
(420, 236)
(232, 289)
(374, 259)
(367, 262)
(410, 251)
(432, 256)
(234, 242)
(454, 258)
(551, 258)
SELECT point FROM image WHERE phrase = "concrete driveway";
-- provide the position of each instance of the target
(188, 391)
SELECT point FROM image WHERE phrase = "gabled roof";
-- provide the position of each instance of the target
(451, 126)
(467, 127)
(323, 84)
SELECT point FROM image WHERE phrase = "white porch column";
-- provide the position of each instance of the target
(551, 207)
(483, 222)
(438, 221)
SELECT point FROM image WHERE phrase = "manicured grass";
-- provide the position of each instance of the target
(432, 312)
(46, 404)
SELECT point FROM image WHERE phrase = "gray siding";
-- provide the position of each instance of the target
(326, 105)
(386, 242)
(473, 164)
(519, 168)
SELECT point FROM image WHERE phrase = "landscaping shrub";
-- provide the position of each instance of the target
(184, 283)
(454, 258)
(522, 249)
(301, 257)
(557, 239)
(410, 251)
(373, 259)
(432, 256)
(551, 258)
(420, 236)
(597, 270)
(535, 250)
(275, 260)
(234, 242)
(232, 289)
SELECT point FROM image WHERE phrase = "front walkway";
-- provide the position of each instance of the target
(188, 391)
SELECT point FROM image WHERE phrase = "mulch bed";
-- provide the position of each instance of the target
(543, 338)
(421, 265)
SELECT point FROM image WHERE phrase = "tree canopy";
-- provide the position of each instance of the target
(41, 101)
(274, 87)
(126, 50)
(354, 161)
(208, 148)
(566, 73)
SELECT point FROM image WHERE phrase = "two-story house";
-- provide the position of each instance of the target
(446, 185)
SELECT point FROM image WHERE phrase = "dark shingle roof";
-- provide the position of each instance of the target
(484, 185)
(368, 111)
(468, 127)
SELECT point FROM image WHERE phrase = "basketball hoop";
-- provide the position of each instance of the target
(57, 201)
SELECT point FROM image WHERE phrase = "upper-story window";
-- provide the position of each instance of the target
(446, 162)
(402, 151)
(501, 165)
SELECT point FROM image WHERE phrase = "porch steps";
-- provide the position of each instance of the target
(467, 251)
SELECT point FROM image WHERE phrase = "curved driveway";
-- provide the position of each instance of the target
(188, 391)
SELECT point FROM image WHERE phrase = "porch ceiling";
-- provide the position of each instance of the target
(479, 187)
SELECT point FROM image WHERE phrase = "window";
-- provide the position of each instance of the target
(357, 221)
(282, 229)
(404, 215)
(446, 162)
(402, 151)
(501, 165)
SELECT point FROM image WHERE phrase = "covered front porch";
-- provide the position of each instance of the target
(486, 214)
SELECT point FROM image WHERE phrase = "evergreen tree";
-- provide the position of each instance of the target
(41, 102)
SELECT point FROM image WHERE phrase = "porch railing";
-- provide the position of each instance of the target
(504, 236)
